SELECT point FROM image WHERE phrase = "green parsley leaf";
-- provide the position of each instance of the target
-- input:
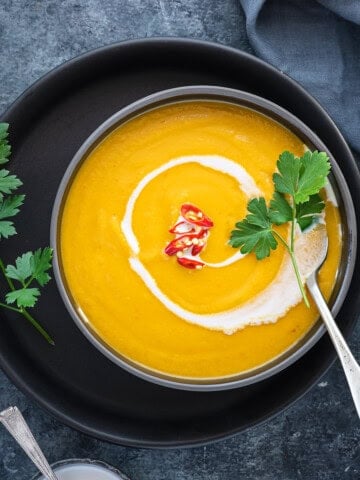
(7, 229)
(5, 148)
(5, 151)
(40, 263)
(315, 167)
(23, 268)
(25, 297)
(286, 181)
(29, 267)
(10, 206)
(32, 266)
(4, 127)
(8, 183)
(258, 213)
(280, 211)
(301, 177)
(296, 199)
(306, 212)
(254, 233)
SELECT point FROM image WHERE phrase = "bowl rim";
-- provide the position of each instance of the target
(177, 95)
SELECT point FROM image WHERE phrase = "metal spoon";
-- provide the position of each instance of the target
(319, 244)
(14, 422)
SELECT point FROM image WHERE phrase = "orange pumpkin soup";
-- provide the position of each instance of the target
(115, 226)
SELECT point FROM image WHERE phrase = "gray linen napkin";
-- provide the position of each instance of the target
(318, 44)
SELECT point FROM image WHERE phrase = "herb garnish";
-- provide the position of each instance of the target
(296, 200)
(30, 269)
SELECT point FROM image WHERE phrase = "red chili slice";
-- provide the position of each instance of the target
(196, 216)
(178, 245)
(196, 249)
(200, 242)
(189, 263)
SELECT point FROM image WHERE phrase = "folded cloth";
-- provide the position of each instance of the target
(316, 43)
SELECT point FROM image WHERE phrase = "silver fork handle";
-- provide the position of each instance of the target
(14, 422)
(348, 362)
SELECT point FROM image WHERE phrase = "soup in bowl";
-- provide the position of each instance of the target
(141, 228)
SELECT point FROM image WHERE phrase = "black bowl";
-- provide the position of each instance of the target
(338, 183)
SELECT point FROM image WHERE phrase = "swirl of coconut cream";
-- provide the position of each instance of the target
(267, 306)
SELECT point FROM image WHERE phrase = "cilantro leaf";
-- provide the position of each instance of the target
(280, 211)
(5, 148)
(40, 263)
(8, 183)
(25, 297)
(301, 177)
(306, 212)
(23, 268)
(254, 233)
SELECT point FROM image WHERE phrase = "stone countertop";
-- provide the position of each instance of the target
(317, 438)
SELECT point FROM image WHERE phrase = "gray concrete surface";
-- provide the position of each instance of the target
(316, 439)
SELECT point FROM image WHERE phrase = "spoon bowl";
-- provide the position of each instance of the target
(313, 250)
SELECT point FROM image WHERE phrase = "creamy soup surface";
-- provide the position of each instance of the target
(115, 226)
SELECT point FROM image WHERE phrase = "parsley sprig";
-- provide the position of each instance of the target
(296, 200)
(31, 269)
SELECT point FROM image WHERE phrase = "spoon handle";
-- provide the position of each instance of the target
(348, 362)
(14, 422)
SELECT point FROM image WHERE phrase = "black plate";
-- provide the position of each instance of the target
(74, 381)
